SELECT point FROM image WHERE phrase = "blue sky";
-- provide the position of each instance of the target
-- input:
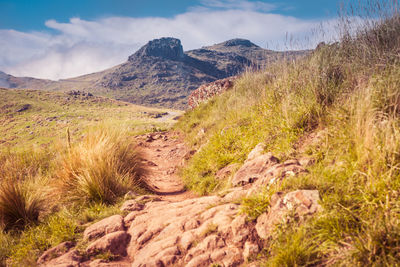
(27, 15)
(65, 38)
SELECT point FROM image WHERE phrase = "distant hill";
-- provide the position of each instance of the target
(35, 117)
(161, 74)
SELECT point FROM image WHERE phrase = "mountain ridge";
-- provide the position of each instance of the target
(161, 73)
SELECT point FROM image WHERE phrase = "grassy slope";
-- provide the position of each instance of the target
(339, 106)
(50, 186)
(50, 114)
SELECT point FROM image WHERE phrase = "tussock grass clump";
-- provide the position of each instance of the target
(101, 168)
(22, 187)
(18, 206)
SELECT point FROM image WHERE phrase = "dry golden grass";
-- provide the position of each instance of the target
(101, 168)
(18, 206)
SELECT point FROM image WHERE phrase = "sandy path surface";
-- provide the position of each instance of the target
(163, 153)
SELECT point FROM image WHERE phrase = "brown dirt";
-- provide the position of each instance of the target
(163, 153)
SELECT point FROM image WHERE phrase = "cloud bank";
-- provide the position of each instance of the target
(80, 46)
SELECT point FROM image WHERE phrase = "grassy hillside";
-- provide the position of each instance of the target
(340, 107)
(65, 160)
(36, 118)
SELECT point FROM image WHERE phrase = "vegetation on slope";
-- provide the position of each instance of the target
(36, 118)
(74, 168)
(339, 106)
(46, 195)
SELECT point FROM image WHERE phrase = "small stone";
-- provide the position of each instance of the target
(132, 205)
(257, 151)
(250, 249)
(306, 162)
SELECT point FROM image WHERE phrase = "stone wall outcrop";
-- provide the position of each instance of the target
(207, 91)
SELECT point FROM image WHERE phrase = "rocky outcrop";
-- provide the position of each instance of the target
(264, 169)
(207, 91)
(254, 169)
(199, 231)
(167, 48)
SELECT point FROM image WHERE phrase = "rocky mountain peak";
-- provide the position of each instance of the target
(166, 48)
(238, 42)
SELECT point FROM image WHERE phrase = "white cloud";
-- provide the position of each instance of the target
(239, 4)
(82, 46)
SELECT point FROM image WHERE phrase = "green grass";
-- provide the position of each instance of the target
(256, 204)
(347, 94)
(50, 114)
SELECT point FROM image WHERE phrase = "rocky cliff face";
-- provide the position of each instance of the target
(164, 48)
(162, 74)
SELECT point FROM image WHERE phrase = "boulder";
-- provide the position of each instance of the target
(279, 171)
(55, 252)
(70, 259)
(301, 203)
(114, 243)
(108, 225)
(254, 169)
(207, 91)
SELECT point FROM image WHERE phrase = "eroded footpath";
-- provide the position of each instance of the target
(176, 228)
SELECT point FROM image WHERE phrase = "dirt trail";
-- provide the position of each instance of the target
(178, 228)
(163, 153)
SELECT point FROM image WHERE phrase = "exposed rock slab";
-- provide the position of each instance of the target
(114, 243)
(55, 252)
(108, 225)
(199, 231)
(70, 259)
(132, 205)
